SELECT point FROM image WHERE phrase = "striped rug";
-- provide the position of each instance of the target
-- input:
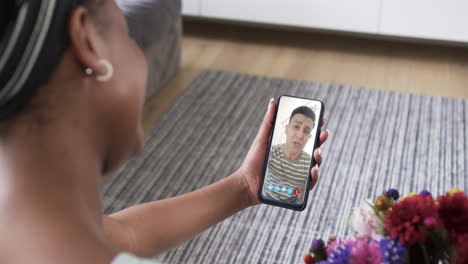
(379, 140)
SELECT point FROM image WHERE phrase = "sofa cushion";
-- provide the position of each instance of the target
(156, 25)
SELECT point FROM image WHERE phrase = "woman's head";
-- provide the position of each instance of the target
(62, 83)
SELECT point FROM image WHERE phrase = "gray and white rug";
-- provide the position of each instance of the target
(379, 140)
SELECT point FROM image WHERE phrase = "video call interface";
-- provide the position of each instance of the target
(291, 149)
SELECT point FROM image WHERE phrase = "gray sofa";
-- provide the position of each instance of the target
(156, 25)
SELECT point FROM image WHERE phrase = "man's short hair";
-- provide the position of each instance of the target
(304, 110)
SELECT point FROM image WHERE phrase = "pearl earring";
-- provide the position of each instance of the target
(89, 71)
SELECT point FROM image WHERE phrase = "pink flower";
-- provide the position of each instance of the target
(362, 251)
(430, 223)
(365, 251)
(364, 223)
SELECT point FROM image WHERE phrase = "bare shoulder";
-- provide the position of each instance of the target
(32, 256)
(45, 244)
(126, 258)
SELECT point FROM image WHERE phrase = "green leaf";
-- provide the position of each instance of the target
(376, 212)
(424, 251)
(381, 230)
(350, 222)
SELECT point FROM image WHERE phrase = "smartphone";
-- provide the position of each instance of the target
(293, 139)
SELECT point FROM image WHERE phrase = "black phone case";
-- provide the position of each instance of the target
(289, 205)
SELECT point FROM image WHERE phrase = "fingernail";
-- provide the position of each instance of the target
(269, 104)
(319, 151)
(329, 133)
(315, 167)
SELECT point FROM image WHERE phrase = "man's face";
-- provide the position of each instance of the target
(298, 132)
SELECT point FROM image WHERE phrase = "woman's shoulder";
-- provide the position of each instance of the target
(127, 258)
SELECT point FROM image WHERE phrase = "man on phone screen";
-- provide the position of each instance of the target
(288, 166)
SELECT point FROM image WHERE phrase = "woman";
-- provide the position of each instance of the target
(72, 85)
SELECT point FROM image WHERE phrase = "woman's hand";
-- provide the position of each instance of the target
(150, 228)
(251, 170)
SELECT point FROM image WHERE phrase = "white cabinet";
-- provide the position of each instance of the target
(423, 19)
(356, 15)
(431, 19)
(191, 7)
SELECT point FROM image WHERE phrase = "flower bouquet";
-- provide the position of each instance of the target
(418, 228)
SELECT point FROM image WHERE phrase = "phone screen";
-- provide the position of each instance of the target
(289, 161)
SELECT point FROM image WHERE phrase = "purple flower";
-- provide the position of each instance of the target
(392, 193)
(317, 244)
(340, 255)
(392, 251)
(318, 250)
(425, 193)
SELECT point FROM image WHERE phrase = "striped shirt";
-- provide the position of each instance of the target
(284, 176)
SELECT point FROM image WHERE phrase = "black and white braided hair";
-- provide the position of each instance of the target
(33, 38)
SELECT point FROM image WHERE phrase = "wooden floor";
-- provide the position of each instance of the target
(376, 64)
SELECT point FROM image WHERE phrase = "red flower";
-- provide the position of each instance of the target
(453, 212)
(308, 259)
(406, 219)
(462, 250)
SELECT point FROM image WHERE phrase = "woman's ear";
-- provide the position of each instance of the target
(85, 40)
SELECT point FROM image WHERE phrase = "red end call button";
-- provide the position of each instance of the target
(297, 191)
